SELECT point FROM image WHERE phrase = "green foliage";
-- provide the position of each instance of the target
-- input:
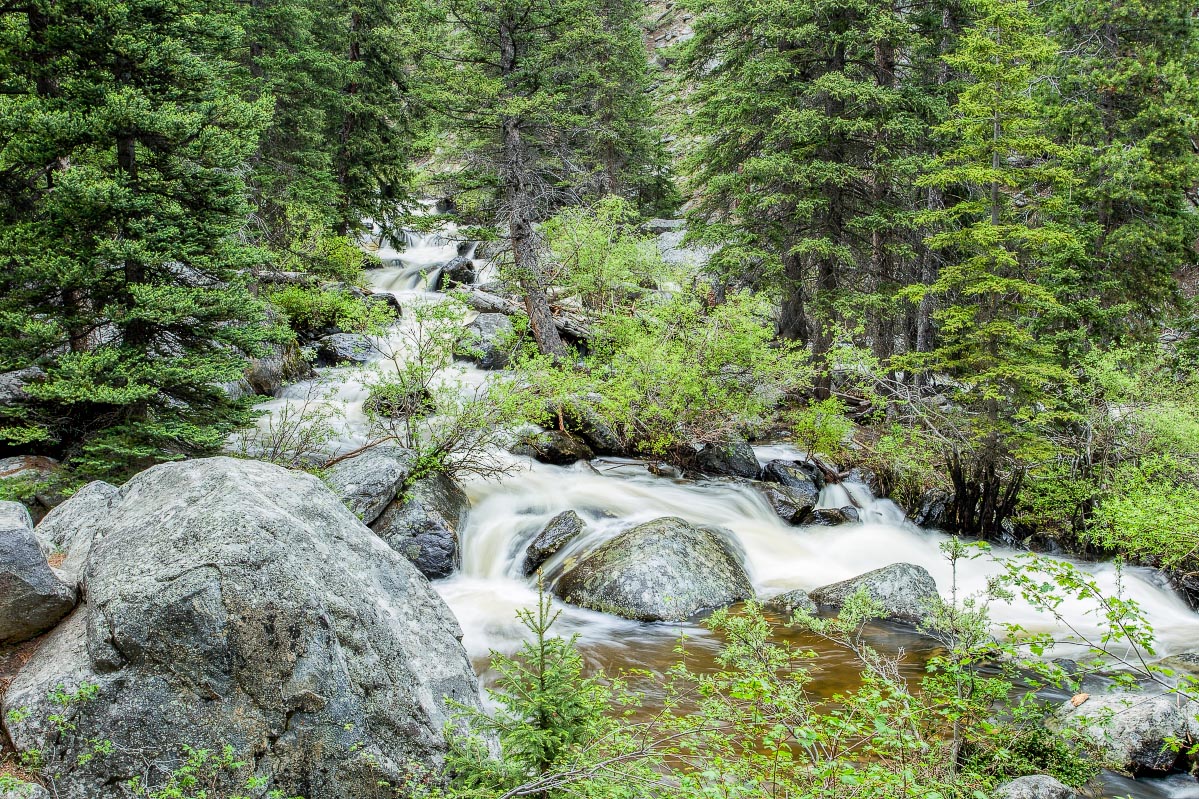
(677, 373)
(822, 428)
(311, 310)
(205, 774)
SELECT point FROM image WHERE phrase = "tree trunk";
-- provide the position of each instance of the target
(520, 208)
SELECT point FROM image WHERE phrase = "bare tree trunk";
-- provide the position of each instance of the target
(793, 316)
(519, 204)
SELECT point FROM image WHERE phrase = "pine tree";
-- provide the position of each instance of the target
(1129, 99)
(532, 91)
(804, 123)
(1007, 251)
(121, 271)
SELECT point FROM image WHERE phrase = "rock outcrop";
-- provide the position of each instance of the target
(489, 340)
(422, 524)
(72, 528)
(663, 570)
(232, 602)
(1034, 786)
(905, 592)
(557, 533)
(33, 597)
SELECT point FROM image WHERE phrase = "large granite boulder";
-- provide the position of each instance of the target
(340, 349)
(1034, 786)
(557, 533)
(283, 364)
(422, 524)
(70, 530)
(236, 603)
(905, 591)
(367, 483)
(663, 570)
(1138, 732)
(33, 597)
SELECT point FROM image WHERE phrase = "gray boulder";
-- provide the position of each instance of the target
(559, 531)
(232, 602)
(458, 272)
(790, 602)
(24, 790)
(387, 300)
(12, 385)
(1034, 786)
(284, 364)
(580, 418)
(554, 447)
(794, 474)
(733, 458)
(831, 517)
(793, 505)
(489, 334)
(1133, 730)
(933, 509)
(367, 482)
(905, 591)
(663, 570)
(71, 529)
(422, 524)
(33, 598)
(344, 348)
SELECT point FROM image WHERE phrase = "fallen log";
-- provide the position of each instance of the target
(486, 302)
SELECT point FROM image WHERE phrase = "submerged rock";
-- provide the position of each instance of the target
(422, 524)
(554, 447)
(33, 598)
(1034, 786)
(733, 458)
(233, 602)
(557, 533)
(367, 483)
(663, 570)
(790, 602)
(905, 591)
(1134, 730)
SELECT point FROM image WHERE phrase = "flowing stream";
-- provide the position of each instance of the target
(614, 494)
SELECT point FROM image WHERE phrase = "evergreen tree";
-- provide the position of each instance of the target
(1006, 257)
(804, 123)
(533, 91)
(121, 271)
(1129, 100)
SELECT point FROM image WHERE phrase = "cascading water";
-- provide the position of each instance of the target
(613, 495)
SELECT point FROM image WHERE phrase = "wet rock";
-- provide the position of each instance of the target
(831, 517)
(868, 478)
(790, 602)
(933, 509)
(553, 447)
(283, 365)
(905, 591)
(33, 598)
(557, 533)
(13, 384)
(71, 530)
(792, 505)
(367, 483)
(422, 524)
(458, 272)
(343, 348)
(1133, 730)
(663, 570)
(794, 474)
(237, 603)
(389, 300)
(488, 342)
(580, 418)
(734, 458)
(1035, 786)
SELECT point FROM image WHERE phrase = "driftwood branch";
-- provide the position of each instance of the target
(486, 302)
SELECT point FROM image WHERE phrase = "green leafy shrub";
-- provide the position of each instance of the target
(310, 310)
